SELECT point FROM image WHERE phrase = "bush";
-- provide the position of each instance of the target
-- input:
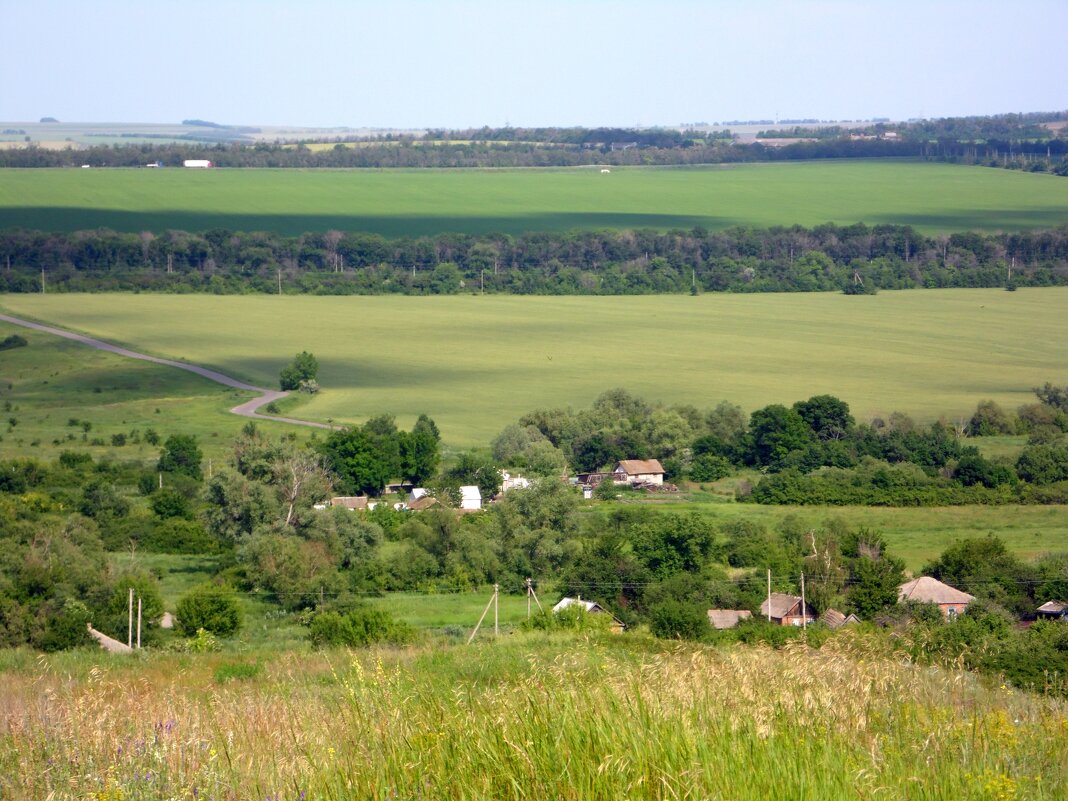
(360, 627)
(210, 607)
(570, 618)
(304, 367)
(13, 341)
(673, 619)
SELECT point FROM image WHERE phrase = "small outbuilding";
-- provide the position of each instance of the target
(929, 590)
(593, 608)
(350, 502)
(727, 618)
(787, 610)
(470, 498)
(833, 619)
(1053, 610)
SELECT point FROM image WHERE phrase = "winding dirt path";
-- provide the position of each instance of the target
(246, 409)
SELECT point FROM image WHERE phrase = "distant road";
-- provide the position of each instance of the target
(247, 409)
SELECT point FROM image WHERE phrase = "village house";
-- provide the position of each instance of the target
(727, 618)
(639, 471)
(929, 590)
(593, 608)
(786, 610)
(1052, 610)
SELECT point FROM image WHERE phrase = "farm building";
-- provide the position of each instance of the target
(422, 502)
(591, 607)
(833, 619)
(929, 590)
(727, 618)
(470, 498)
(1053, 610)
(350, 502)
(639, 471)
(786, 610)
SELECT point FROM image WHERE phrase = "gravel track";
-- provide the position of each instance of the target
(246, 409)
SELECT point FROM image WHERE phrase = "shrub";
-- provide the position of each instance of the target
(13, 341)
(674, 619)
(210, 607)
(360, 627)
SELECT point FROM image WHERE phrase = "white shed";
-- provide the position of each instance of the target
(470, 498)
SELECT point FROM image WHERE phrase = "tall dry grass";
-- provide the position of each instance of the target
(531, 717)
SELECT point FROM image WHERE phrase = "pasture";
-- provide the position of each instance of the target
(594, 718)
(476, 363)
(932, 197)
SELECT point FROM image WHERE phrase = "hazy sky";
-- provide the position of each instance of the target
(458, 63)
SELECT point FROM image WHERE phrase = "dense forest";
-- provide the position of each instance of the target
(856, 258)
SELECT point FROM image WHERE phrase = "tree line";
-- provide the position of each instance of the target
(854, 258)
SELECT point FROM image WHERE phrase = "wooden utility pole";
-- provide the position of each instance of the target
(804, 608)
(485, 612)
(769, 595)
(129, 621)
(496, 623)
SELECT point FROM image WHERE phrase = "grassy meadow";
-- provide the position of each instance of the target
(53, 386)
(476, 363)
(932, 197)
(527, 717)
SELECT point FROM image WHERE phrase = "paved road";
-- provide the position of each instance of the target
(247, 409)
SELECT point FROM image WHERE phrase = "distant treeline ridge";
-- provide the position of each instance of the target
(856, 258)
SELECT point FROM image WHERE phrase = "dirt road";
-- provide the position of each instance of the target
(247, 409)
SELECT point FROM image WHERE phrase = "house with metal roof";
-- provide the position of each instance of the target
(786, 610)
(929, 590)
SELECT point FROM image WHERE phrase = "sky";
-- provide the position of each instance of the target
(467, 63)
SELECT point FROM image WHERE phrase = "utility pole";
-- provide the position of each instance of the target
(279, 281)
(129, 621)
(492, 602)
(804, 608)
(769, 595)
(528, 599)
(482, 282)
(496, 625)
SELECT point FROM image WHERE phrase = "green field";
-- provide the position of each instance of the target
(933, 197)
(476, 363)
(53, 381)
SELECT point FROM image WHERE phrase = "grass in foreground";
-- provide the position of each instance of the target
(932, 197)
(529, 717)
(475, 364)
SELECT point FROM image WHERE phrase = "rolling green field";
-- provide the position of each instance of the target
(933, 197)
(476, 363)
(53, 381)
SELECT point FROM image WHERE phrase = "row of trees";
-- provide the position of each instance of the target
(779, 259)
(814, 451)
